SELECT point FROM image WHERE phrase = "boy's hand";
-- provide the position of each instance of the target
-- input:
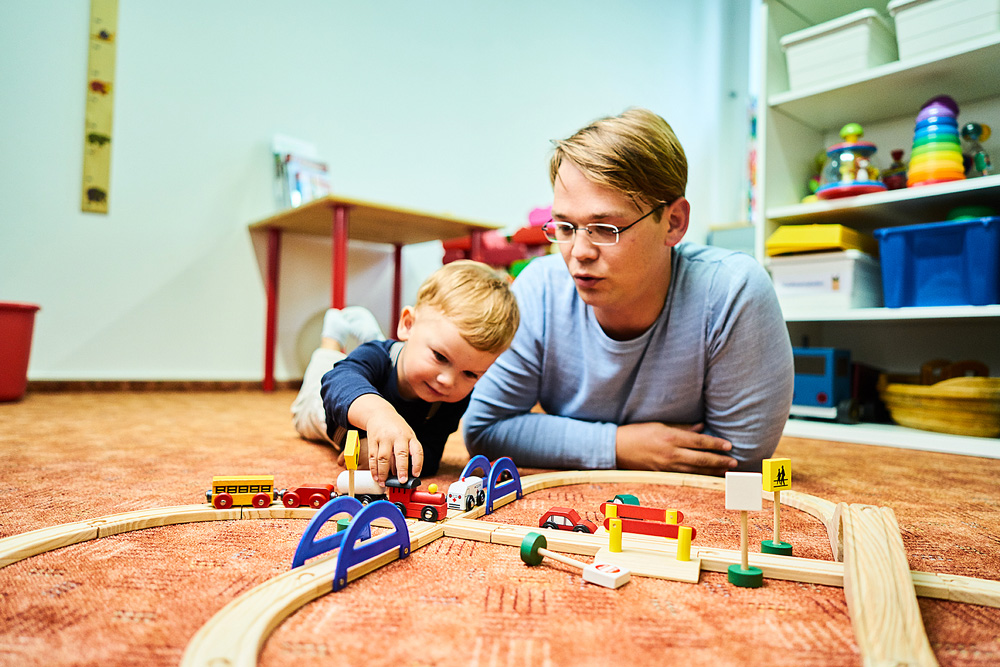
(391, 443)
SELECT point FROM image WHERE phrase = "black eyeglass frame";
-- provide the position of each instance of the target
(590, 233)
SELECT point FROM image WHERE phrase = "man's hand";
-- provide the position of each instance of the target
(391, 441)
(674, 448)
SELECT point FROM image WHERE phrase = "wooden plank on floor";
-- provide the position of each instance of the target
(879, 590)
(25, 545)
(114, 524)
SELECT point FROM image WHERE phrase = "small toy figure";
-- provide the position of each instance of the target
(812, 185)
(895, 176)
(849, 170)
(976, 159)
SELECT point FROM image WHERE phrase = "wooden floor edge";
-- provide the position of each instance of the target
(149, 386)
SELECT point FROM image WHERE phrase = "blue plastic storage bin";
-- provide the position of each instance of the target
(954, 263)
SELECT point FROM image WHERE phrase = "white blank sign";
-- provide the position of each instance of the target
(743, 491)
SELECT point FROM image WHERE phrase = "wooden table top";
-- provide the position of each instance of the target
(369, 221)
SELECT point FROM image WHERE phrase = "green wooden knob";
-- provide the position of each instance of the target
(530, 545)
(778, 548)
(752, 577)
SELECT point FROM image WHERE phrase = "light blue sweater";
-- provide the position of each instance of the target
(719, 353)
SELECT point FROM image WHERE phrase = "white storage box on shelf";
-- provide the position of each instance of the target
(927, 25)
(838, 48)
(828, 280)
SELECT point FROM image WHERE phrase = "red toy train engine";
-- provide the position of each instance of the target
(416, 504)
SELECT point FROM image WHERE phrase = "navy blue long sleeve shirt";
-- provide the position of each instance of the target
(369, 369)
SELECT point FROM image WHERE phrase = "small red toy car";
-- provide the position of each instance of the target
(313, 495)
(564, 518)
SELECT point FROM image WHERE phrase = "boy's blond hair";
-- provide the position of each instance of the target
(477, 300)
(636, 153)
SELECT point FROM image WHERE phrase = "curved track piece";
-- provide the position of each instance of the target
(495, 489)
(477, 464)
(351, 554)
(32, 543)
(309, 546)
(236, 634)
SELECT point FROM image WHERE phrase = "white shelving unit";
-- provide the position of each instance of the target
(795, 125)
(893, 207)
(890, 435)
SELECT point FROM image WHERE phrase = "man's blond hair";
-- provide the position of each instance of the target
(477, 300)
(636, 153)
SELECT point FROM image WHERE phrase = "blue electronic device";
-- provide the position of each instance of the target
(822, 381)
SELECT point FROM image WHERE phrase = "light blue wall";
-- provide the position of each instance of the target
(440, 105)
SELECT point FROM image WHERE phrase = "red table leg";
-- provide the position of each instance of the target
(397, 291)
(338, 273)
(476, 245)
(271, 322)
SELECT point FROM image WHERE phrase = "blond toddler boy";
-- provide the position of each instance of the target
(407, 395)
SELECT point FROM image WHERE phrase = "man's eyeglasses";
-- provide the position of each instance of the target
(598, 233)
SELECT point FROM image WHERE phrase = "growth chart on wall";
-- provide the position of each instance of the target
(100, 99)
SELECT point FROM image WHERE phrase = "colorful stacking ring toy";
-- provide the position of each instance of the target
(937, 150)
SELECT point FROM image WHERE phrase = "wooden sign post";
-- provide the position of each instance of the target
(777, 474)
(743, 494)
(352, 454)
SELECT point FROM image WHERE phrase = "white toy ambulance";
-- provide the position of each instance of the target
(466, 493)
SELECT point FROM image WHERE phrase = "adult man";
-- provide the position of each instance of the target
(642, 353)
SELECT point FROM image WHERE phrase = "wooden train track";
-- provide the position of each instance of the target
(25, 545)
(877, 581)
(236, 634)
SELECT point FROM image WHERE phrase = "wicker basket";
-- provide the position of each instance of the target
(960, 406)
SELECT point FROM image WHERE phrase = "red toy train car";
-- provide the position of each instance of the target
(313, 495)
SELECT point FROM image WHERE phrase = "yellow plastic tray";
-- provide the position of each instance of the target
(789, 239)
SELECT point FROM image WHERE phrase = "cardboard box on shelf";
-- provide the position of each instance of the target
(829, 280)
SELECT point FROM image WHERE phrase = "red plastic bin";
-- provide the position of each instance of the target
(17, 321)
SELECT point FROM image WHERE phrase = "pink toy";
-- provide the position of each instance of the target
(532, 233)
(895, 176)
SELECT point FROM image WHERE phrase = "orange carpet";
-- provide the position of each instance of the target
(137, 598)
